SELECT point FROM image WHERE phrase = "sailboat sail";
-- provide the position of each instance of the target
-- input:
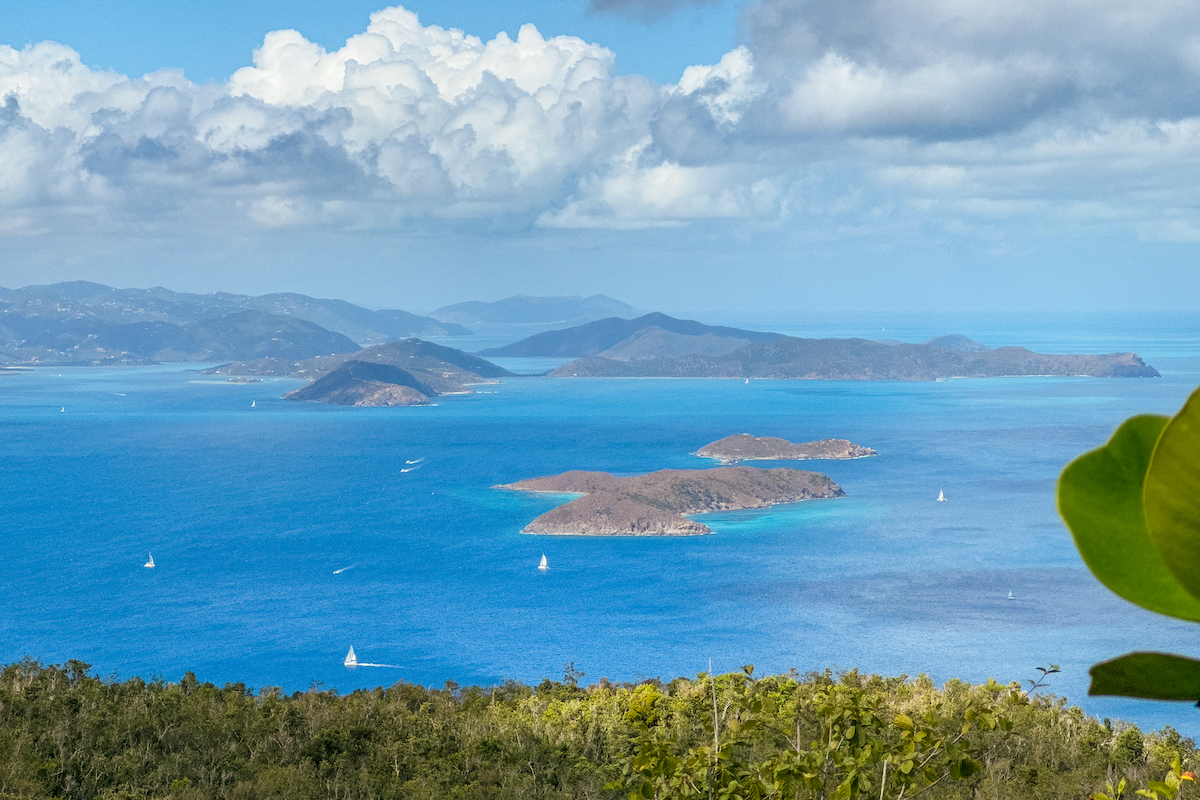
(351, 659)
(941, 496)
(542, 565)
(149, 564)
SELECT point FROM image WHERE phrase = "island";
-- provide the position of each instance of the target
(790, 358)
(363, 383)
(659, 346)
(433, 363)
(649, 335)
(744, 447)
(655, 504)
(404, 373)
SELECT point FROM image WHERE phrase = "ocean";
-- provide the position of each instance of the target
(284, 533)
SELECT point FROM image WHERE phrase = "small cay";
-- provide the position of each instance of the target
(744, 447)
(655, 504)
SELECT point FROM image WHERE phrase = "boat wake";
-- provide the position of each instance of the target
(352, 662)
(365, 664)
(343, 569)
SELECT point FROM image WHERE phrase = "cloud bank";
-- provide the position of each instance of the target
(961, 112)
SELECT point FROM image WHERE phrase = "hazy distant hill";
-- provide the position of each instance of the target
(72, 337)
(786, 357)
(596, 337)
(360, 324)
(82, 300)
(654, 342)
(958, 342)
(523, 310)
(444, 369)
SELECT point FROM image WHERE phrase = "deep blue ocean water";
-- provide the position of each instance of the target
(287, 532)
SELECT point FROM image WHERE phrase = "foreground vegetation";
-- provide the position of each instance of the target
(67, 734)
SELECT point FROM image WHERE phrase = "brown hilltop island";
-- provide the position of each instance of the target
(363, 383)
(654, 504)
(403, 373)
(744, 447)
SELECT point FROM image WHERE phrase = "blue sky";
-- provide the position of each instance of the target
(210, 40)
(773, 154)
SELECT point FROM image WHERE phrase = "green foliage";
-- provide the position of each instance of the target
(1174, 677)
(1133, 507)
(1169, 786)
(65, 734)
(1172, 495)
(1116, 793)
(1100, 497)
(1129, 747)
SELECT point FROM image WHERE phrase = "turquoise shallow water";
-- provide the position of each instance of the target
(287, 532)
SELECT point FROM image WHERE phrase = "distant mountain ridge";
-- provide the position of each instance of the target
(594, 338)
(63, 308)
(79, 339)
(526, 310)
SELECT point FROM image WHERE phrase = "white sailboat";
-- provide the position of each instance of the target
(941, 496)
(252, 402)
(351, 659)
(149, 564)
(1010, 595)
(542, 565)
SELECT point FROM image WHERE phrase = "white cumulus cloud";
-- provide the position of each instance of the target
(964, 109)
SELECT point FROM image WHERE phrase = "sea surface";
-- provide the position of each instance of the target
(284, 533)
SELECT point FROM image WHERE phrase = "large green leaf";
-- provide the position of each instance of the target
(1100, 498)
(1154, 676)
(1172, 495)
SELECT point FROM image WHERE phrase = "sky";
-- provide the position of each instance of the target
(775, 155)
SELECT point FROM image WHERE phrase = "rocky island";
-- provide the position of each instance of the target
(655, 504)
(744, 447)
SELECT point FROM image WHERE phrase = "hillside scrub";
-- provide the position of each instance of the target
(67, 734)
